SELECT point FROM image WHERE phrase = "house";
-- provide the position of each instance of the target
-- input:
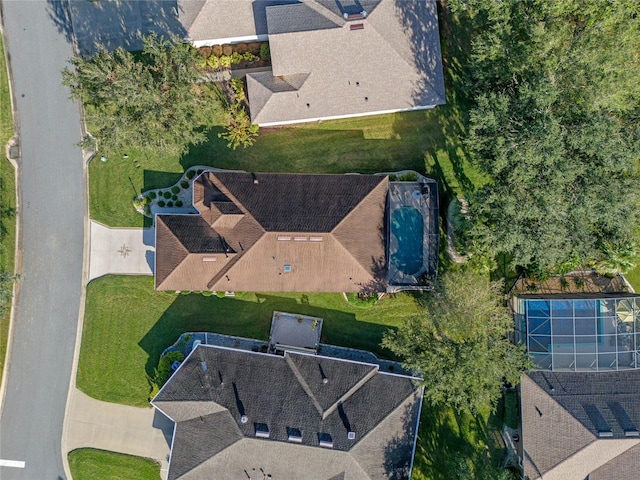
(295, 232)
(242, 414)
(580, 410)
(330, 58)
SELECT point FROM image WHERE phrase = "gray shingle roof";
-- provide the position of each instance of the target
(565, 414)
(283, 393)
(392, 61)
(195, 234)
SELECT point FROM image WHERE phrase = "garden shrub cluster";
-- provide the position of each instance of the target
(239, 129)
(163, 372)
(224, 56)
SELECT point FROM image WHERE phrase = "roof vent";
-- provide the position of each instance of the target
(351, 435)
(354, 16)
(325, 440)
(325, 380)
(605, 434)
(294, 435)
(631, 433)
(244, 419)
(356, 26)
(209, 259)
(262, 431)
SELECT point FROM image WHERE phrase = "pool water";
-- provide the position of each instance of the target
(407, 226)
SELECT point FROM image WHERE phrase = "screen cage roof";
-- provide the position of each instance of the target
(580, 333)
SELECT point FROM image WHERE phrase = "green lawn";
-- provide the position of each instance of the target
(91, 464)
(7, 197)
(633, 276)
(127, 326)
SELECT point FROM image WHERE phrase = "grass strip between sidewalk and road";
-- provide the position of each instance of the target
(7, 200)
(92, 464)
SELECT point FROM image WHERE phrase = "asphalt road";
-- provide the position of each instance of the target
(52, 242)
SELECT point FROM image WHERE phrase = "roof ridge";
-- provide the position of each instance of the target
(325, 12)
(303, 382)
(356, 386)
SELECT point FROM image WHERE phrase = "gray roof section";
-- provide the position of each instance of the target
(625, 466)
(298, 203)
(274, 391)
(392, 63)
(564, 413)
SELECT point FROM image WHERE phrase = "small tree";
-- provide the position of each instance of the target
(460, 344)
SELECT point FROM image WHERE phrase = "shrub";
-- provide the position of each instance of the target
(362, 300)
(236, 58)
(161, 203)
(220, 294)
(241, 47)
(151, 195)
(163, 372)
(216, 50)
(191, 174)
(169, 204)
(179, 203)
(184, 184)
(202, 62)
(213, 62)
(579, 282)
(207, 293)
(408, 177)
(249, 57)
(166, 195)
(175, 189)
(265, 53)
(199, 171)
(205, 52)
(254, 47)
(227, 50)
(174, 197)
(225, 61)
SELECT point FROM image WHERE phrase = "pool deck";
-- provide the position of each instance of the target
(421, 195)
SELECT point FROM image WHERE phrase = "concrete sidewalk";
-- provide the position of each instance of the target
(128, 251)
(118, 428)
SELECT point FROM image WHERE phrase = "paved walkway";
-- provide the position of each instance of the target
(118, 428)
(121, 251)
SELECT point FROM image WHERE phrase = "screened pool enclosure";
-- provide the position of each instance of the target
(580, 333)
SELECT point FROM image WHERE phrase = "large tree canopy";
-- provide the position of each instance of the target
(460, 344)
(556, 127)
(146, 99)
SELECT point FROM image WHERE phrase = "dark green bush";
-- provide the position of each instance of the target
(408, 177)
(175, 189)
(265, 53)
(169, 204)
(184, 184)
(161, 203)
(174, 197)
(151, 195)
(163, 372)
(179, 203)
(167, 195)
(191, 174)
(199, 171)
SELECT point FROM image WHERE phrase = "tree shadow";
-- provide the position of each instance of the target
(114, 23)
(251, 318)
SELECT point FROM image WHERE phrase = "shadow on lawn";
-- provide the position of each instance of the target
(252, 319)
(444, 448)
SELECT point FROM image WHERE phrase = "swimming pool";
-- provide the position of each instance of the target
(407, 226)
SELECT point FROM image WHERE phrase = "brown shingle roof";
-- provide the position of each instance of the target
(328, 230)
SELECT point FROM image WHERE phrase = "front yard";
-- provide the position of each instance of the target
(92, 464)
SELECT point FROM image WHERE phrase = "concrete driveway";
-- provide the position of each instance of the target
(142, 432)
(128, 251)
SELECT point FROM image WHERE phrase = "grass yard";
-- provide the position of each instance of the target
(127, 326)
(92, 464)
(633, 276)
(7, 197)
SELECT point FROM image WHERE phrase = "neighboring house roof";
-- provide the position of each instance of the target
(327, 229)
(238, 411)
(328, 60)
(576, 424)
(325, 66)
